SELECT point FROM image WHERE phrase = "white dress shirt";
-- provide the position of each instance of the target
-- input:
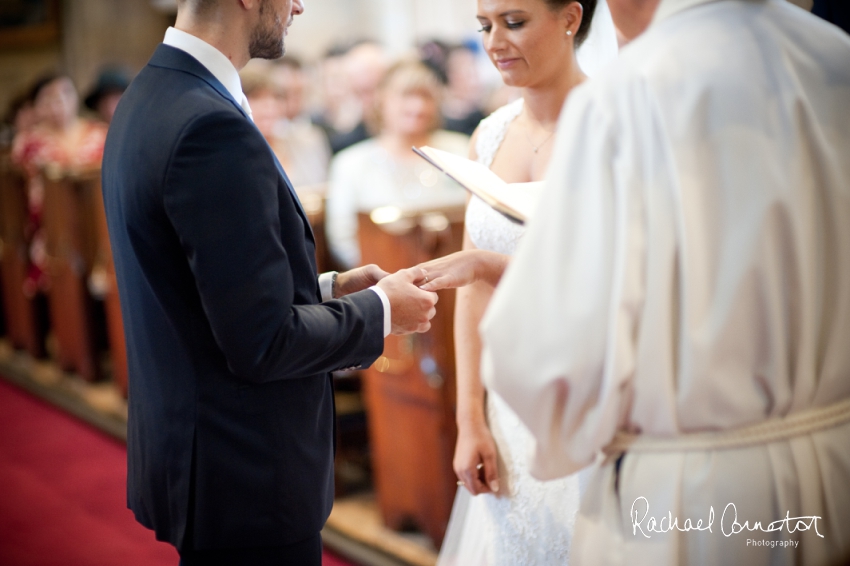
(688, 270)
(223, 70)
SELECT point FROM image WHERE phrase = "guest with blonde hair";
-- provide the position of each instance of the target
(384, 171)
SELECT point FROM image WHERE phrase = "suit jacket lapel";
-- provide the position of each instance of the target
(297, 200)
(178, 60)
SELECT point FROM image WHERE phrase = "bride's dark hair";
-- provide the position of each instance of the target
(588, 7)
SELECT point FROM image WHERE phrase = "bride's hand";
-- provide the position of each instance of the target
(475, 459)
(463, 268)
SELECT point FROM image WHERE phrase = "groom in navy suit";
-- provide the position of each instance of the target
(231, 335)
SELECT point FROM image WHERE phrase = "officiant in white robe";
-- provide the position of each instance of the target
(681, 299)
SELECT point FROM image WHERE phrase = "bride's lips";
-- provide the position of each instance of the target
(506, 63)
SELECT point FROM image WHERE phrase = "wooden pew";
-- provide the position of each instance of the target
(71, 242)
(106, 267)
(22, 325)
(410, 390)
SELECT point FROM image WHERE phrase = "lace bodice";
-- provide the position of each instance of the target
(488, 229)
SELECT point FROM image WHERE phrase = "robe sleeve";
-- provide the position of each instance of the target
(559, 335)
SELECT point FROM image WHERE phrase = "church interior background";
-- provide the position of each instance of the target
(395, 484)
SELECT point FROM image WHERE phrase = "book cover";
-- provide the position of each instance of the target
(515, 200)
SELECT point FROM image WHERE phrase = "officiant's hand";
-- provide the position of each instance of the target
(464, 268)
(411, 308)
(358, 279)
(475, 459)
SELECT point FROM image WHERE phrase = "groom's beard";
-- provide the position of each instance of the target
(267, 37)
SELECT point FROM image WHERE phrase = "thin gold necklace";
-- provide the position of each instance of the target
(536, 148)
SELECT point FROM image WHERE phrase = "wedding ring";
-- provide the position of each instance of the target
(426, 278)
(460, 484)
(479, 466)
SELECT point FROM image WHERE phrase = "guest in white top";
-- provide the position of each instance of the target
(686, 279)
(384, 170)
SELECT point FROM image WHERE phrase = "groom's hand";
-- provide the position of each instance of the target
(358, 279)
(411, 308)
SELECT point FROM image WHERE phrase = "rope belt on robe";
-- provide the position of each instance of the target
(795, 424)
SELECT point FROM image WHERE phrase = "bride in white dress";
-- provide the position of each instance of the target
(514, 520)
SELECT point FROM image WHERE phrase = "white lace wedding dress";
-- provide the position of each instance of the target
(529, 523)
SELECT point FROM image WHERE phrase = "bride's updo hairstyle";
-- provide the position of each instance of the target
(588, 7)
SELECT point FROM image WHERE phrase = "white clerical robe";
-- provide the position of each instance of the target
(688, 270)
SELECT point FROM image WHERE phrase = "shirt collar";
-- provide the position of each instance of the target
(211, 58)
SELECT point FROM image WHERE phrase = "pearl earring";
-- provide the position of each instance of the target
(569, 32)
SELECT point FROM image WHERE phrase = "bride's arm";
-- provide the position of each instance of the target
(468, 266)
(475, 444)
(464, 268)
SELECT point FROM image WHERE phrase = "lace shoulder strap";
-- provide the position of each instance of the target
(492, 131)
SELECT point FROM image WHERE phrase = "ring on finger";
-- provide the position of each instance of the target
(479, 466)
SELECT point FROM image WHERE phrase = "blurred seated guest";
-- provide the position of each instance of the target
(302, 147)
(434, 54)
(20, 117)
(365, 65)
(834, 11)
(60, 139)
(107, 91)
(260, 92)
(302, 151)
(462, 107)
(384, 171)
(337, 111)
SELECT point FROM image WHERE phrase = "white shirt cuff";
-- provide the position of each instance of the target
(326, 288)
(388, 318)
(326, 285)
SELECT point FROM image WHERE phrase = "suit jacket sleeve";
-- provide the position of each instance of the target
(221, 195)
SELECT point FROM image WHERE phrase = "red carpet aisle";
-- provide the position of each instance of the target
(63, 494)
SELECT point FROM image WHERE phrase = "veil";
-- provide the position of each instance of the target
(600, 45)
(469, 530)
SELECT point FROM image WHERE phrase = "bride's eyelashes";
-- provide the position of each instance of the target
(486, 28)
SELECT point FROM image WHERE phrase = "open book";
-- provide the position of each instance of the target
(505, 198)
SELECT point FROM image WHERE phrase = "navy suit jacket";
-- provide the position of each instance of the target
(834, 11)
(231, 401)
